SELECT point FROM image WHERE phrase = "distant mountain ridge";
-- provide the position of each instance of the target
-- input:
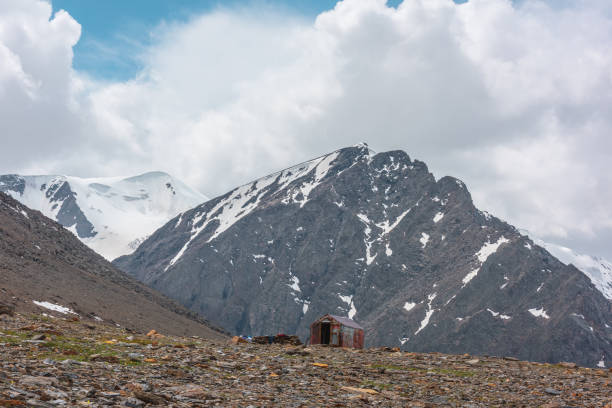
(46, 269)
(111, 215)
(599, 270)
(377, 238)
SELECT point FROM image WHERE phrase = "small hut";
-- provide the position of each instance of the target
(336, 331)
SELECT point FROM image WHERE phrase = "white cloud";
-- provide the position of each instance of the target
(514, 99)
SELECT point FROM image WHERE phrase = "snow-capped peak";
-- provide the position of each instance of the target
(109, 214)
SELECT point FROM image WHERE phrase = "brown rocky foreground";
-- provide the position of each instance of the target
(50, 362)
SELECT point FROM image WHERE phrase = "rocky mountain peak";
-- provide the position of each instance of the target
(373, 236)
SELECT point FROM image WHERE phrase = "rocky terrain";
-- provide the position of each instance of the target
(377, 238)
(44, 268)
(62, 362)
(111, 215)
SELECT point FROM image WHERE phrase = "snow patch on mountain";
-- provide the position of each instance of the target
(539, 313)
(430, 311)
(424, 239)
(488, 249)
(54, 307)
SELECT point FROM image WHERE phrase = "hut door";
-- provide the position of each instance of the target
(335, 336)
(325, 333)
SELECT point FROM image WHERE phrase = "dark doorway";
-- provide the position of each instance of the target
(325, 333)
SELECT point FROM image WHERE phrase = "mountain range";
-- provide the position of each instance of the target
(45, 269)
(377, 238)
(110, 215)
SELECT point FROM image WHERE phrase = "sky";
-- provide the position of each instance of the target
(513, 98)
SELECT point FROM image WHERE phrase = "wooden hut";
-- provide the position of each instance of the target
(336, 331)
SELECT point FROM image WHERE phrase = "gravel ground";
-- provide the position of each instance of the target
(60, 362)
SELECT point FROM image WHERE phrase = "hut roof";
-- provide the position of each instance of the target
(346, 321)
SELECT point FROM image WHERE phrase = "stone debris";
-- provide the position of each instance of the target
(278, 339)
(110, 367)
(7, 309)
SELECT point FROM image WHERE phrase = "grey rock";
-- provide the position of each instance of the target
(38, 381)
(377, 237)
(552, 391)
(34, 403)
(135, 356)
(6, 309)
(134, 403)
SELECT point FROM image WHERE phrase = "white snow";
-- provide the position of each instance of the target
(496, 314)
(353, 311)
(295, 283)
(488, 249)
(120, 209)
(470, 276)
(438, 217)
(349, 301)
(403, 340)
(539, 313)
(385, 229)
(346, 299)
(245, 199)
(99, 319)
(322, 166)
(528, 245)
(259, 256)
(601, 363)
(54, 307)
(424, 239)
(178, 222)
(540, 287)
(408, 306)
(430, 311)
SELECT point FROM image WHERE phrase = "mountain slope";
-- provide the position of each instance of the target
(377, 238)
(44, 268)
(111, 215)
(597, 269)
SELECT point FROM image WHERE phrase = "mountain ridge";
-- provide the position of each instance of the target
(378, 238)
(109, 214)
(45, 268)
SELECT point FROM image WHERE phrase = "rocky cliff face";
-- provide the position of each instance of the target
(45, 269)
(377, 238)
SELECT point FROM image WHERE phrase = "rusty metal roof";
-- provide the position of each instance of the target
(346, 321)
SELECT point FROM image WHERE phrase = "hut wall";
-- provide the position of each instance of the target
(315, 333)
(358, 339)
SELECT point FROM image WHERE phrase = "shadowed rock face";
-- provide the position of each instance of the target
(377, 238)
(41, 261)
